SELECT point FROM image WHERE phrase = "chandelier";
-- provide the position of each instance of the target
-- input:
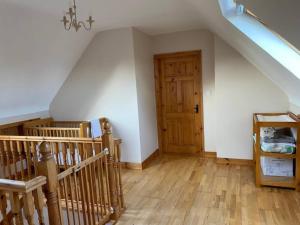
(70, 20)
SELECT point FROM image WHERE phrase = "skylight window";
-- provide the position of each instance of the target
(260, 34)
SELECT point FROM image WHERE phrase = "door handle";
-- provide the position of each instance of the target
(196, 108)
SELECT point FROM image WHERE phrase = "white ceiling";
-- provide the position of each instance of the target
(37, 55)
(150, 16)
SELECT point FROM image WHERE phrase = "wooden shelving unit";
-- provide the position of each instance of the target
(275, 181)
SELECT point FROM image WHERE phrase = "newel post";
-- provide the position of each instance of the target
(108, 143)
(47, 168)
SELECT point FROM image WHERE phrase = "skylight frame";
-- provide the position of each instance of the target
(262, 35)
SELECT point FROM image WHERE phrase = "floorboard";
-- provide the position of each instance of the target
(181, 190)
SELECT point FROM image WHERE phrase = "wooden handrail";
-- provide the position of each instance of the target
(54, 128)
(22, 195)
(39, 123)
(49, 139)
(22, 186)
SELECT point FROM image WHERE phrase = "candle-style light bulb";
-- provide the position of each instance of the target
(90, 20)
(65, 21)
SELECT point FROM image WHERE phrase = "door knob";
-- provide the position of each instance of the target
(196, 108)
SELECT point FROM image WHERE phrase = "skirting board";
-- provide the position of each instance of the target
(228, 161)
(240, 162)
(210, 155)
(143, 165)
(131, 166)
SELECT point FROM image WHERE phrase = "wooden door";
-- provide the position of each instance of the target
(179, 102)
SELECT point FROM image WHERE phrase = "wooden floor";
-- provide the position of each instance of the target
(186, 190)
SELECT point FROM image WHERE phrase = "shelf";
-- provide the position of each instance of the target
(280, 120)
(276, 181)
(278, 155)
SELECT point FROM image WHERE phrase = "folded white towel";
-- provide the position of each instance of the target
(96, 128)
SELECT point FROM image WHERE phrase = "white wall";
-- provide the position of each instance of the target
(144, 70)
(12, 119)
(241, 90)
(36, 56)
(103, 84)
(294, 109)
(196, 40)
(114, 78)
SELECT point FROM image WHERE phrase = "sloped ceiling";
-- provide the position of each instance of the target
(37, 55)
(281, 16)
(254, 54)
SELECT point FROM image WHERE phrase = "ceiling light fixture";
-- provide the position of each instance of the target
(72, 21)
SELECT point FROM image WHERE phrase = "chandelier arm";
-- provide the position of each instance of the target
(84, 25)
(68, 28)
(70, 24)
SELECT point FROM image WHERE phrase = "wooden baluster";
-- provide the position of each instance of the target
(76, 184)
(72, 153)
(20, 152)
(28, 158)
(108, 143)
(39, 204)
(88, 149)
(83, 196)
(92, 193)
(2, 162)
(59, 196)
(64, 154)
(105, 171)
(65, 194)
(120, 185)
(97, 147)
(34, 156)
(101, 186)
(95, 189)
(7, 155)
(29, 208)
(118, 172)
(70, 190)
(57, 155)
(3, 208)
(80, 151)
(87, 193)
(47, 168)
(13, 153)
(16, 208)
